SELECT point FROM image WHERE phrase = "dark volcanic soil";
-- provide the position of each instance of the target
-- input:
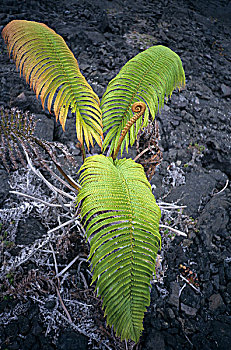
(191, 305)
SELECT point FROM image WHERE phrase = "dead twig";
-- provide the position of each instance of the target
(52, 187)
(226, 184)
(62, 225)
(40, 200)
(57, 288)
(67, 267)
(141, 153)
(174, 230)
(191, 285)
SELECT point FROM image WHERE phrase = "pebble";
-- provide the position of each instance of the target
(191, 311)
(215, 302)
(226, 90)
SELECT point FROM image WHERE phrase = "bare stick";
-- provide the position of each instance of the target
(141, 153)
(78, 302)
(52, 187)
(67, 267)
(73, 186)
(182, 288)
(40, 200)
(191, 285)
(174, 230)
(172, 207)
(63, 306)
(84, 280)
(70, 181)
(55, 261)
(62, 225)
(57, 289)
(226, 184)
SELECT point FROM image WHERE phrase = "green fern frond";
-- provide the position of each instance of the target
(51, 69)
(121, 218)
(148, 77)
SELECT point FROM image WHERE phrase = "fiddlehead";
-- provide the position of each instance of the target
(138, 108)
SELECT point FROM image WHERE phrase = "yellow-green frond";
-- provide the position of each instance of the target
(121, 219)
(51, 69)
(148, 77)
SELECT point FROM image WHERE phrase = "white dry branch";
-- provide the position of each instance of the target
(57, 288)
(168, 207)
(178, 232)
(52, 187)
(67, 267)
(223, 189)
(41, 200)
(191, 285)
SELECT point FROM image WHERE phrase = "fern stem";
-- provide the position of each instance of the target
(52, 187)
(83, 152)
(139, 109)
(70, 181)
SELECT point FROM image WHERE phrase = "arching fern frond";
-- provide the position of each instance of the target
(148, 77)
(51, 69)
(121, 218)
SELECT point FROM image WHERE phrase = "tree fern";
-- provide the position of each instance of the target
(118, 208)
(122, 223)
(52, 71)
(148, 77)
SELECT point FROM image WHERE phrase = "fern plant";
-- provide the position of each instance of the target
(118, 209)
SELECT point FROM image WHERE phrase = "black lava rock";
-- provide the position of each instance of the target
(72, 341)
(29, 230)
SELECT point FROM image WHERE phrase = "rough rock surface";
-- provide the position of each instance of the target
(195, 129)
